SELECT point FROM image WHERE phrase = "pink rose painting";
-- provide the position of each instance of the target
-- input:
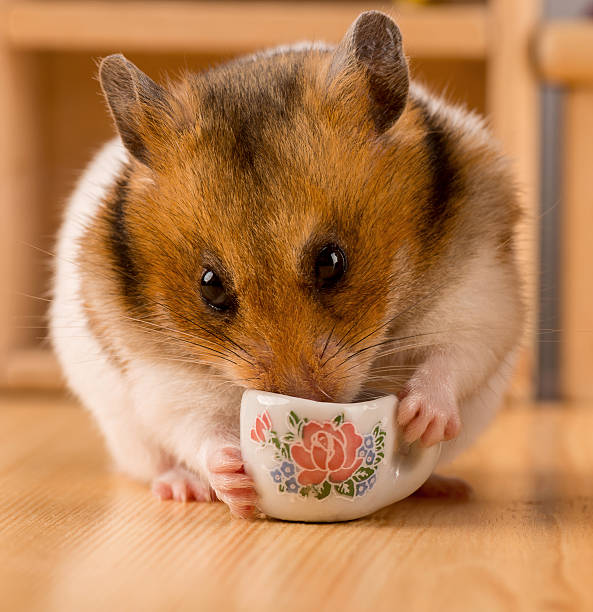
(327, 451)
(317, 459)
(263, 423)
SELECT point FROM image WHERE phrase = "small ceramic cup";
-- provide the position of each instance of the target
(323, 462)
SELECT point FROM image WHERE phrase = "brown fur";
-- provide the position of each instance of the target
(250, 169)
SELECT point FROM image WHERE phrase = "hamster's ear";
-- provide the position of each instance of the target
(137, 103)
(372, 50)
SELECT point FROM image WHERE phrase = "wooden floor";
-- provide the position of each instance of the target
(74, 536)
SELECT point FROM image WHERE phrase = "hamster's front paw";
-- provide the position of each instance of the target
(430, 417)
(181, 485)
(229, 481)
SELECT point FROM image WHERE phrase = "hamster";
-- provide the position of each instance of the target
(307, 221)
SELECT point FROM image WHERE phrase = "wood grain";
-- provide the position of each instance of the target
(224, 27)
(74, 536)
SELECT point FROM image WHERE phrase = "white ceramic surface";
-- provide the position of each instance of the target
(319, 461)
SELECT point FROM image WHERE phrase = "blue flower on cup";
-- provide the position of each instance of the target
(372, 480)
(292, 486)
(287, 469)
(361, 452)
(370, 457)
(369, 441)
(361, 488)
(276, 475)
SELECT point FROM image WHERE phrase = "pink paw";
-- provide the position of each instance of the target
(180, 485)
(428, 419)
(229, 481)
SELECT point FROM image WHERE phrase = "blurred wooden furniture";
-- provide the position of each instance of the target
(74, 537)
(565, 56)
(51, 116)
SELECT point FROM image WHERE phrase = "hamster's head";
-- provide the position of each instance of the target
(268, 223)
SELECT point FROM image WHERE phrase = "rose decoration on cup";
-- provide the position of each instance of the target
(327, 451)
(263, 423)
(324, 461)
(318, 457)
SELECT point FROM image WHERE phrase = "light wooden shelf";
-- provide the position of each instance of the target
(31, 368)
(223, 27)
(564, 52)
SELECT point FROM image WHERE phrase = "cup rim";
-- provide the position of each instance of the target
(319, 404)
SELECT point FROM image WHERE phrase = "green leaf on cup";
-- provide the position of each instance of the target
(293, 419)
(345, 488)
(339, 419)
(323, 491)
(362, 473)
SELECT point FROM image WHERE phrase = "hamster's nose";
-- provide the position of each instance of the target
(294, 372)
(298, 386)
(300, 390)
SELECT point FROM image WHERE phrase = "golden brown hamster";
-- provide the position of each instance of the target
(304, 220)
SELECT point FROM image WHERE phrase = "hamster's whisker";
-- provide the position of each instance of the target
(343, 338)
(47, 338)
(432, 333)
(331, 399)
(151, 330)
(407, 347)
(375, 371)
(247, 379)
(382, 343)
(160, 326)
(390, 368)
(32, 297)
(395, 350)
(47, 327)
(398, 315)
(193, 362)
(156, 302)
(327, 340)
(346, 334)
(219, 336)
(386, 323)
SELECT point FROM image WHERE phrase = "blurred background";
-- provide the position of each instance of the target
(526, 64)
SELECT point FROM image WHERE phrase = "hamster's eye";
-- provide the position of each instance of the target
(330, 265)
(213, 291)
